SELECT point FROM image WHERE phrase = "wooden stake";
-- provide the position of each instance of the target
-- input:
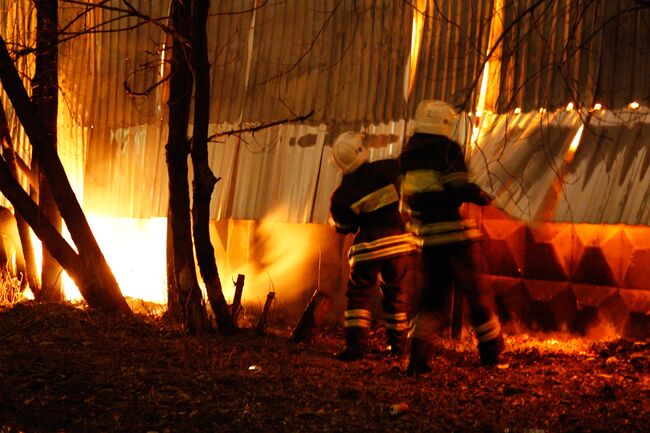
(261, 325)
(236, 302)
(312, 318)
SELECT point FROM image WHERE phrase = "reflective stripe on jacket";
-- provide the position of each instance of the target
(367, 202)
(434, 185)
(443, 232)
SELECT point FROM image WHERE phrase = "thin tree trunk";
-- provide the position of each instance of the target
(75, 266)
(23, 228)
(204, 179)
(177, 150)
(98, 283)
(174, 312)
(45, 97)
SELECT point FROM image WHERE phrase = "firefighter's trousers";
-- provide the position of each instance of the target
(395, 276)
(443, 266)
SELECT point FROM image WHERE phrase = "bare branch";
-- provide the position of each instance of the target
(261, 126)
(130, 11)
(98, 28)
(243, 11)
(148, 90)
(82, 14)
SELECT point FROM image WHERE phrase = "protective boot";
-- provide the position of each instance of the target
(490, 342)
(419, 359)
(355, 344)
(396, 342)
(490, 351)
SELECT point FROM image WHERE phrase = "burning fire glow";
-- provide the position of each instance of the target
(574, 144)
(416, 41)
(136, 251)
(278, 259)
(552, 344)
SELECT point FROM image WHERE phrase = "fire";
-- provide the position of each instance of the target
(574, 145)
(274, 257)
(555, 343)
(136, 252)
(278, 255)
(416, 41)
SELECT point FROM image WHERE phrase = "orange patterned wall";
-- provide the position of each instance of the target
(586, 278)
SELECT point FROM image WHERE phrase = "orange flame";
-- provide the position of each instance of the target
(135, 250)
(274, 255)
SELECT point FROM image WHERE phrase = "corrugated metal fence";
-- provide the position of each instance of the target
(346, 60)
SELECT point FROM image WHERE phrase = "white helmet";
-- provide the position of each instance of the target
(349, 151)
(434, 117)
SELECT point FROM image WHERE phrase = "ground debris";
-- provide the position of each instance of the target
(66, 369)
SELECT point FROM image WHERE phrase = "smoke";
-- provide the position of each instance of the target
(290, 259)
(281, 257)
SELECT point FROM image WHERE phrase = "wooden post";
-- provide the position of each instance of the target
(236, 302)
(261, 325)
(312, 318)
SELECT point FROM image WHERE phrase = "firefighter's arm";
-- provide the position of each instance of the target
(342, 218)
(456, 181)
(343, 228)
(457, 185)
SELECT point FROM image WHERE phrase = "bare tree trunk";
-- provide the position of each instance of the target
(174, 312)
(78, 269)
(45, 97)
(27, 248)
(177, 150)
(204, 179)
(98, 284)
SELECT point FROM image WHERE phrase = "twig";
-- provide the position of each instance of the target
(261, 126)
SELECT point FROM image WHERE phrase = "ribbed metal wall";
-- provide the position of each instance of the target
(346, 60)
(454, 48)
(520, 156)
(230, 29)
(522, 160)
(586, 51)
(321, 53)
(125, 172)
(624, 72)
(610, 180)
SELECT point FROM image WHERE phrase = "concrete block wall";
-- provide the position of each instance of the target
(592, 280)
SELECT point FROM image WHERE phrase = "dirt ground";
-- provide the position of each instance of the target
(64, 369)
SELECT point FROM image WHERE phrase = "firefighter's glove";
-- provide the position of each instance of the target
(347, 230)
(472, 193)
(484, 199)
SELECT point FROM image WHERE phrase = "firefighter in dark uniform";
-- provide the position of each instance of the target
(434, 185)
(367, 204)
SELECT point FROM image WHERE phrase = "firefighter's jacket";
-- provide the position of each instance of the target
(434, 185)
(367, 203)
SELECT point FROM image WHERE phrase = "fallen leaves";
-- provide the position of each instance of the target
(65, 369)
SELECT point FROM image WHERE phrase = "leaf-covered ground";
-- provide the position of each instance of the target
(64, 369)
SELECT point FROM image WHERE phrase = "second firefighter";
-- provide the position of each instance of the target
(367, 204)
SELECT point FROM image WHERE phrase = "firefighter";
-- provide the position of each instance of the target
(434, 185)
(367, 204)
